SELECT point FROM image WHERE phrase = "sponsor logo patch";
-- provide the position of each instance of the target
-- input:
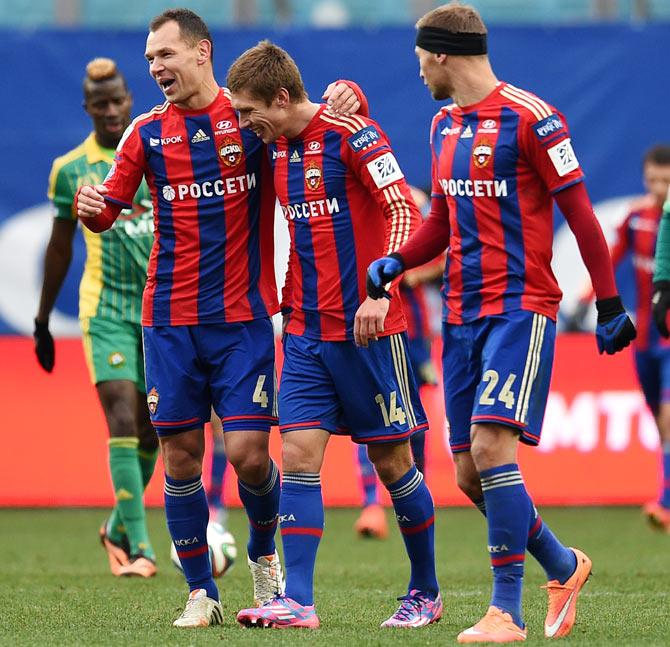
(313, 176)
(467, 133)
(549, 126)
(200, 136)
(313, 147)
(165, 141)
(384, 170)
(230, 151)
(295, 157)
(364, 138)
(169, 193)
(563, 157)
(152, 400)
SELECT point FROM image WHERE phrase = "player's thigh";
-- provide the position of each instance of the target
(649, 370)
(377, 389)
(240, 359)
(119, 401)
(460, 374)
(178, 394)
(113, 350)
(307, 395)
(422, 363)
(517, 351)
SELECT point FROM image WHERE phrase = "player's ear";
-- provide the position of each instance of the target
(283, 98)
(204, 51)
(440, 58)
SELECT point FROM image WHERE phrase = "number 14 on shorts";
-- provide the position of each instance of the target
(392, 413)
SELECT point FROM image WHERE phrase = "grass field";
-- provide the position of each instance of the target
(55, 588)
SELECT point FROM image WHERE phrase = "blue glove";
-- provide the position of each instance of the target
(380, 272)
(614, 330)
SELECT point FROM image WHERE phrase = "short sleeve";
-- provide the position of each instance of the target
(62, 188)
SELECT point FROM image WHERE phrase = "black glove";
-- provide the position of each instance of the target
(614, 330)
(44, 346)
(661, 304)
(381, 272)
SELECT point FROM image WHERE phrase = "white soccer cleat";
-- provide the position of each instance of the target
(200, 611)
(268, 578)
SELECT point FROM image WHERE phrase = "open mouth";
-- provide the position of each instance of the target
(165, 84)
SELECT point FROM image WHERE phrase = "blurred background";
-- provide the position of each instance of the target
(603, 63)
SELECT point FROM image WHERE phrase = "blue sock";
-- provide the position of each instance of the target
(368, 477)
(301, 511)
(508, 512)
(261, 503)
(665, 492)
(187, 515)
(418, 443)
(559, 562)
(219, 464)
(415, 513)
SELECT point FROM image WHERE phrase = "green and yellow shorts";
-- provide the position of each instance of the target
(113, 350)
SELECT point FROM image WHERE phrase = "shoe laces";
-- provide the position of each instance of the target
(410, 607)
(267, 579)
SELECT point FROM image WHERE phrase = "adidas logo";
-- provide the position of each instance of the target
(124, 495)
(200, 136)
(295, 157)
(467, 133)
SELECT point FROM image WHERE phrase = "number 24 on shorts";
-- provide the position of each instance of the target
(506, 396)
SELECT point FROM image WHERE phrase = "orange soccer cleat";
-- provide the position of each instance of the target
(657, 515)
(372, 522)
(116, 554)
(496, 626)
(562, 598)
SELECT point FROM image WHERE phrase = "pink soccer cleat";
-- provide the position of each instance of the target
(280, 613)
(416, 610)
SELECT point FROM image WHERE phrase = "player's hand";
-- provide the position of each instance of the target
(341, 99)
(369, 320)
(91, 201)
(381, 272)
(614, 330)
(661, 304)
(44, 346)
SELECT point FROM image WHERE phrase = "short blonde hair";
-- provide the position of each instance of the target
(454, 17)
(263, 70)
(101, 69)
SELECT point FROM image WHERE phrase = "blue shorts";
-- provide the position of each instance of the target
(368, 393)
(497, 369)
(653, 371)
(227, 366)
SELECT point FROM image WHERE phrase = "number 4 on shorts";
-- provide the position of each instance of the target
(261, 395)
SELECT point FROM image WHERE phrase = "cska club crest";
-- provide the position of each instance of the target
(152, 400)
(230, 151)
(482, 153)
(313, 176)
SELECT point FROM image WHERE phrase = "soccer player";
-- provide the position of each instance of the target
(210, 292)
(637, 235)
(110, 298)
(345, 363)
(501, 156)
(372, 520)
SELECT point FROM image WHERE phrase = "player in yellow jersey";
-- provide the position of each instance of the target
(110, 302)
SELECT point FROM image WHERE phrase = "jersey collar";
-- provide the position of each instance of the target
(95, 152)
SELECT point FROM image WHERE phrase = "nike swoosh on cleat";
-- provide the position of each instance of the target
(551, 629)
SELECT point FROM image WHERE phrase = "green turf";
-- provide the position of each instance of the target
(55, 588)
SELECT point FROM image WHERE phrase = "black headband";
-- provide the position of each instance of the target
(441, 41)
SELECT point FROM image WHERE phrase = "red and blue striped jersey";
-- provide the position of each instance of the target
(213, 255)
(637, 235)
(347, 203)
(497, 164)
(416, 311)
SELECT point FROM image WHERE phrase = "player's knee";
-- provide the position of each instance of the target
(390, 463)
(148, 439)
(469, 484)
(251, 466)
(121, 420)
(296, 457)
(181, 462)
